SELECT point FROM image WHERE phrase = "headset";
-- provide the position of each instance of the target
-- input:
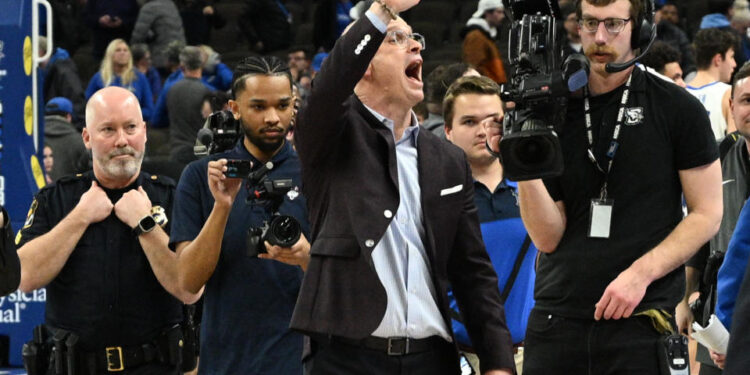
(643, 37)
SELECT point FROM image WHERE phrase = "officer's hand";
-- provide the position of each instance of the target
(297, 255)
(718, 359)
(621, 296)
(493, 131)
(223, 189)
(94, 205)
(133, 206)
(684, 317)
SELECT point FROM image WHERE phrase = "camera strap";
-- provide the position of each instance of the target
(600, 217)
(613, 145)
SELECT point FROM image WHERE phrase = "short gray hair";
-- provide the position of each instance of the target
(191, 58)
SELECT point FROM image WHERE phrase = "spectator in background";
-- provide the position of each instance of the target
(64, 140)
(436, 85)
(329, 21)
(318, 62)
(60, 77)
(299, 60)
(740, 23)
(202, 17)
(665, 60)
(479, 48)
(158, 24)
(173, 61)
(213, 102)
(720, 12)
(160, 118)
(184, 104)
(48, 161)
(714, 49)
(215, 73)
(142, 62)
(668, 32)
(117, 70)
(470, 103)
(266, 24)
(570, 24)
(109, 20)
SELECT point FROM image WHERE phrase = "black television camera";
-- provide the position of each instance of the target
(281, 230)
(220, 133)
(539, 87)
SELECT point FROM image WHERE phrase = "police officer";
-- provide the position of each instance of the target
(98, 242)
(10, 270)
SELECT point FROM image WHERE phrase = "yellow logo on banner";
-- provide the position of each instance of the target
(28, 115)
(27, 55)
(36, 170)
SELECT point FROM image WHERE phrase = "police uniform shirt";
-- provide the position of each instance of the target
(248, 302)
(107, 292)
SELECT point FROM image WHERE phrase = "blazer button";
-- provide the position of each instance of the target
(388, 214)
(369, 243)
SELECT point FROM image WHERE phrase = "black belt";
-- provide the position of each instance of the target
(118, 358)
(396, 346)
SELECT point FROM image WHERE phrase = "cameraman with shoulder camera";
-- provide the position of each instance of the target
(248, 301)
(611, 228)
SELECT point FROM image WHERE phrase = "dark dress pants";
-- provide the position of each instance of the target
(564, 346)
(334, 358)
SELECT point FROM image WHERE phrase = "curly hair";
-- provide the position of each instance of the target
(660, 55)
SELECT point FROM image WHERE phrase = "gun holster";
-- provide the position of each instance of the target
(37, 352)
(190, 333)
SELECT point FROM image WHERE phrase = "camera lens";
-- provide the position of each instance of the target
(284, 231)
(533, 151)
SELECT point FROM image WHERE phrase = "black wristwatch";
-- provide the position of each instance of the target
(145, 225)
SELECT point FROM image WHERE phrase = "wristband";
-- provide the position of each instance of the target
(387, 9)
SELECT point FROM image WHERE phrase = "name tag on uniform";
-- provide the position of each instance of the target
(600, 218)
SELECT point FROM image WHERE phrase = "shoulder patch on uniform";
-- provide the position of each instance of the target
(30, 214)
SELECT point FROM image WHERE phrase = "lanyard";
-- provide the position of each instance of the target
(613, 145)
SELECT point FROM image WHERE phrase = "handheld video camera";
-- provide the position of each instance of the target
(539, 86)
(280, 230)
(219, 133)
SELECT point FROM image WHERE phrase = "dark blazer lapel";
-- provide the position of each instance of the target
(428, 159)
(386, 135)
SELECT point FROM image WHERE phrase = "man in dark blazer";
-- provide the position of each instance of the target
(393, 220)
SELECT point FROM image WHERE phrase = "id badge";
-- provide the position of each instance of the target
(600, 218)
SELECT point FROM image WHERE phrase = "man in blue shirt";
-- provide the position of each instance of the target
(468, 104)
(248, 301)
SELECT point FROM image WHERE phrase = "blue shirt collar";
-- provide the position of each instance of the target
(410, 133)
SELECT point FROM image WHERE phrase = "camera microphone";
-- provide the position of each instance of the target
(205, 136)
(618, 67)
(576, 71)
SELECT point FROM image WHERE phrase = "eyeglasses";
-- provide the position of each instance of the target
(401, 38)
(613, 25)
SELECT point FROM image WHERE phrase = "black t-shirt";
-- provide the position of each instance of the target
(107, 292)
(664, 130)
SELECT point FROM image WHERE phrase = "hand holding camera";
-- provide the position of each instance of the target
(297, 255)
(223, 188)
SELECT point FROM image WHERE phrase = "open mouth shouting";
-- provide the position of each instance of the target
(414, 72)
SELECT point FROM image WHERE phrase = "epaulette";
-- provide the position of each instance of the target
(65, 180)
(162, 180)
